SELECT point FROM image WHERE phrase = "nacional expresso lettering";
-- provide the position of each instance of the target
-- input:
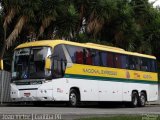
(104, 72)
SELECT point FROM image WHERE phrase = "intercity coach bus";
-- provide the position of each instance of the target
(58, 70)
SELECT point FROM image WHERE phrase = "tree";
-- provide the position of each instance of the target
(101, 11)
(130, 24)
(147, 18)
(1, 30)
(27, 14)
(82, 9)
(11, 8)
(50, 10)
(125, 29)
(67, 23)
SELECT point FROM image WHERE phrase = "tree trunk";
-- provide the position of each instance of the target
(4, 45)
(80, 18)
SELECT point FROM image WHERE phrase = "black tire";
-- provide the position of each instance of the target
(74, 98)
(134, 100)
(142, 100)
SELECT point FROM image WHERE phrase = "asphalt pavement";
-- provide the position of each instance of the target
(51, 112)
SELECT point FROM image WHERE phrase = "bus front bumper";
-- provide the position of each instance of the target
(31, 95)
(21, 99)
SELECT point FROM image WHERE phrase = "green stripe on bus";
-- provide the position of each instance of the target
(109, 79)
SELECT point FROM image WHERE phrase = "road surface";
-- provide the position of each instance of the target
(62, 112)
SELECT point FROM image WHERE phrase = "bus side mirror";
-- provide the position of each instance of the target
(48, 73)
(1, 64)
(48, 63)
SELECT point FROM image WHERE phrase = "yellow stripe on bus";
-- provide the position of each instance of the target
(111, 72)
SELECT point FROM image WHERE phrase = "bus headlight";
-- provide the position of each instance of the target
(13, 93)
(43, 91)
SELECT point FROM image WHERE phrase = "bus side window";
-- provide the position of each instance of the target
(131, 62)
(72, 52)
(144, 64)
(88, 57)
(153, 66)
(96, 57)
(76, 53)
(124, 62)
(79, 57)
(137, 63)
(117, 60)
(103, 58)
(149, 65)
(59, 62)
(110, 60)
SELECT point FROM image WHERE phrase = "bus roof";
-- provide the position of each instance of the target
(53, 43)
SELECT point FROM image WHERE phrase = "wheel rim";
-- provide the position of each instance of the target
(73, 99)
(135, 101)
(143, 100)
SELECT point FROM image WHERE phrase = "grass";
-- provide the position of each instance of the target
(125, 117)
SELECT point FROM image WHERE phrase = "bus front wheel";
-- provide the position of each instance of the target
(73, 98)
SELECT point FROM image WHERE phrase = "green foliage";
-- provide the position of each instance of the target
(29, 8)
(120, 117)
(133, 25)
(67, 23)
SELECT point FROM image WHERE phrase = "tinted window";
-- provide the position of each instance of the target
(148, 65)
(124, 62)
(72, 52)
(59, 53)
(117, 60)
(144, 64)
(81, 55)
(76, 54)
(110, 59)
(103, 58)
(132, 62)
(88, 57)
(137, 63)
(59, 62)
(96, 57)
(153, 66)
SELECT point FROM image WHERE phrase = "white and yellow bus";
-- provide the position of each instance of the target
(58, 70)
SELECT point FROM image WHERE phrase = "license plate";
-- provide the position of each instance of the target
(27, 94)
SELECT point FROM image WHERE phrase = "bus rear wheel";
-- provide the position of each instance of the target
(73, 98)
(134, 100)
(142, 100)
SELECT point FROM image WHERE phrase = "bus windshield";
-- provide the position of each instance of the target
(29, 63)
